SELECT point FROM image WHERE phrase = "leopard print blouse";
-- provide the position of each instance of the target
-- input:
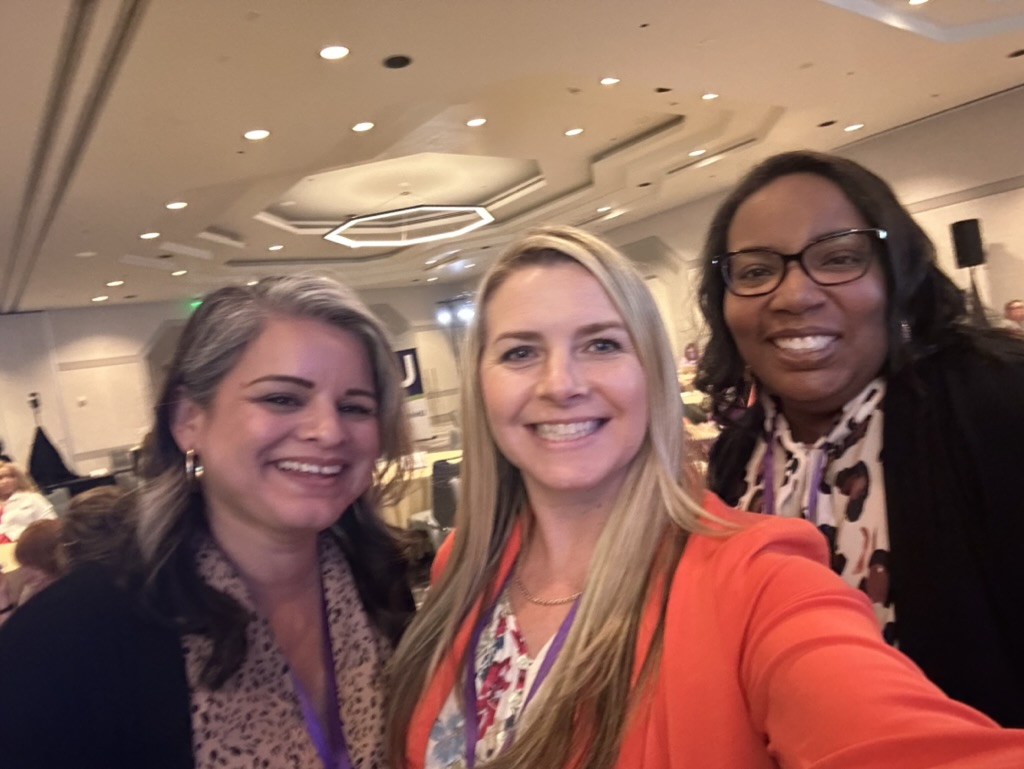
(255, 719)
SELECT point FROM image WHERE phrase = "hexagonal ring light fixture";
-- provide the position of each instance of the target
(409, 226)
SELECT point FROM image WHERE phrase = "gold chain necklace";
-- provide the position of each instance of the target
(543, 601)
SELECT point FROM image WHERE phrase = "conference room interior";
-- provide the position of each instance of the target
(400, 166)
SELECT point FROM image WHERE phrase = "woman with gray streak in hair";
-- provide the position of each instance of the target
(265, 594)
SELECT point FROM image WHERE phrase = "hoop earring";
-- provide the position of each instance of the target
(193, 468)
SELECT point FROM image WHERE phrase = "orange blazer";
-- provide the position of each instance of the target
(771, 660)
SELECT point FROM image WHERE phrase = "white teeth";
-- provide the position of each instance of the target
(567, 431)
(804, 343)
(306, 467)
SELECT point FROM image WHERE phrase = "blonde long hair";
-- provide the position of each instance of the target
(589, 691)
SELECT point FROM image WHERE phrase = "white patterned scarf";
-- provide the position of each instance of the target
(838, 484)
(255, 719)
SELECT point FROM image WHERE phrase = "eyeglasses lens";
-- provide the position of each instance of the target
(831, 261)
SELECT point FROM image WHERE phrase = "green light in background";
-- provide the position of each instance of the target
(194, 304)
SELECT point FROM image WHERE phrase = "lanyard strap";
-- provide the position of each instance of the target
(330, 746)
(469, 691)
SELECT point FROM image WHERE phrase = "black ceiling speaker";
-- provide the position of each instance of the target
(967, 243)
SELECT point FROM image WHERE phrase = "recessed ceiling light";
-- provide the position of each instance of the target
(604, 209)
(149, 235)
(917, 2)
(251, 282)
(705, 162)
(574, 132)
(100, 298)
(114, 283)
(709, 96)
(476, 122)
(85, 254)
(609, 80)
(177, 205)
(854, 127)
(697, 153)
(256, 134)
(360, 127)
(432, 279)
(274, 248)
(333, 52)
(179, 273)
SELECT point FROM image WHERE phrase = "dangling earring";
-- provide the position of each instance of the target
(905, 332)
(193, 468)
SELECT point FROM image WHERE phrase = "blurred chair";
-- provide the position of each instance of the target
(444, 493)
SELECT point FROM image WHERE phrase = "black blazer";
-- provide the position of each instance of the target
(952, 459)
(103, 688)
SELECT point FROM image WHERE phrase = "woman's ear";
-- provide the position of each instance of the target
(187, 421)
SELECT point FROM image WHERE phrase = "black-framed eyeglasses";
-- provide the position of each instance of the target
(831, 260)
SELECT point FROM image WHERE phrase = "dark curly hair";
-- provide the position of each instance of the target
(918, 293)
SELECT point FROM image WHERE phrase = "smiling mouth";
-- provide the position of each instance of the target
(810, 343)
(567, 431)
(292, 466)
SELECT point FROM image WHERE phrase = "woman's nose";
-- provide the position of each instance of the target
(563, 377)
(797, 292)
(323, 423)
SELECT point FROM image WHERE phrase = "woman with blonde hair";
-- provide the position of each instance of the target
(20, 502)
(591, 611)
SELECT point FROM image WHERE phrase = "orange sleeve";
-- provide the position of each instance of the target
(823, 686)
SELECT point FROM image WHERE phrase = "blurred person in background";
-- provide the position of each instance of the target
(40, 556)
(20, 502)
(100, 527)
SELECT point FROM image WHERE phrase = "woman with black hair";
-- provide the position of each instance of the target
(268, 593)
(880, 415)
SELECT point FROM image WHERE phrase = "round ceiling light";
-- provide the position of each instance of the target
(574, 132)
(610, 81)
(361, 127)
(114, 283)
(697, 153)
(257, 134)
(149, 235)
(176, 205)
(179, 273)
(709, 96)
(476, 122)
(853, 127)
(334, 52)
(274, 248)
(100, 298)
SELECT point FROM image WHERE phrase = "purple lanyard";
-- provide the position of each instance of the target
(768, 474)
(469, 692)
(330, 746)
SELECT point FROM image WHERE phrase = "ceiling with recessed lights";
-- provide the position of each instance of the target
(126, 159)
